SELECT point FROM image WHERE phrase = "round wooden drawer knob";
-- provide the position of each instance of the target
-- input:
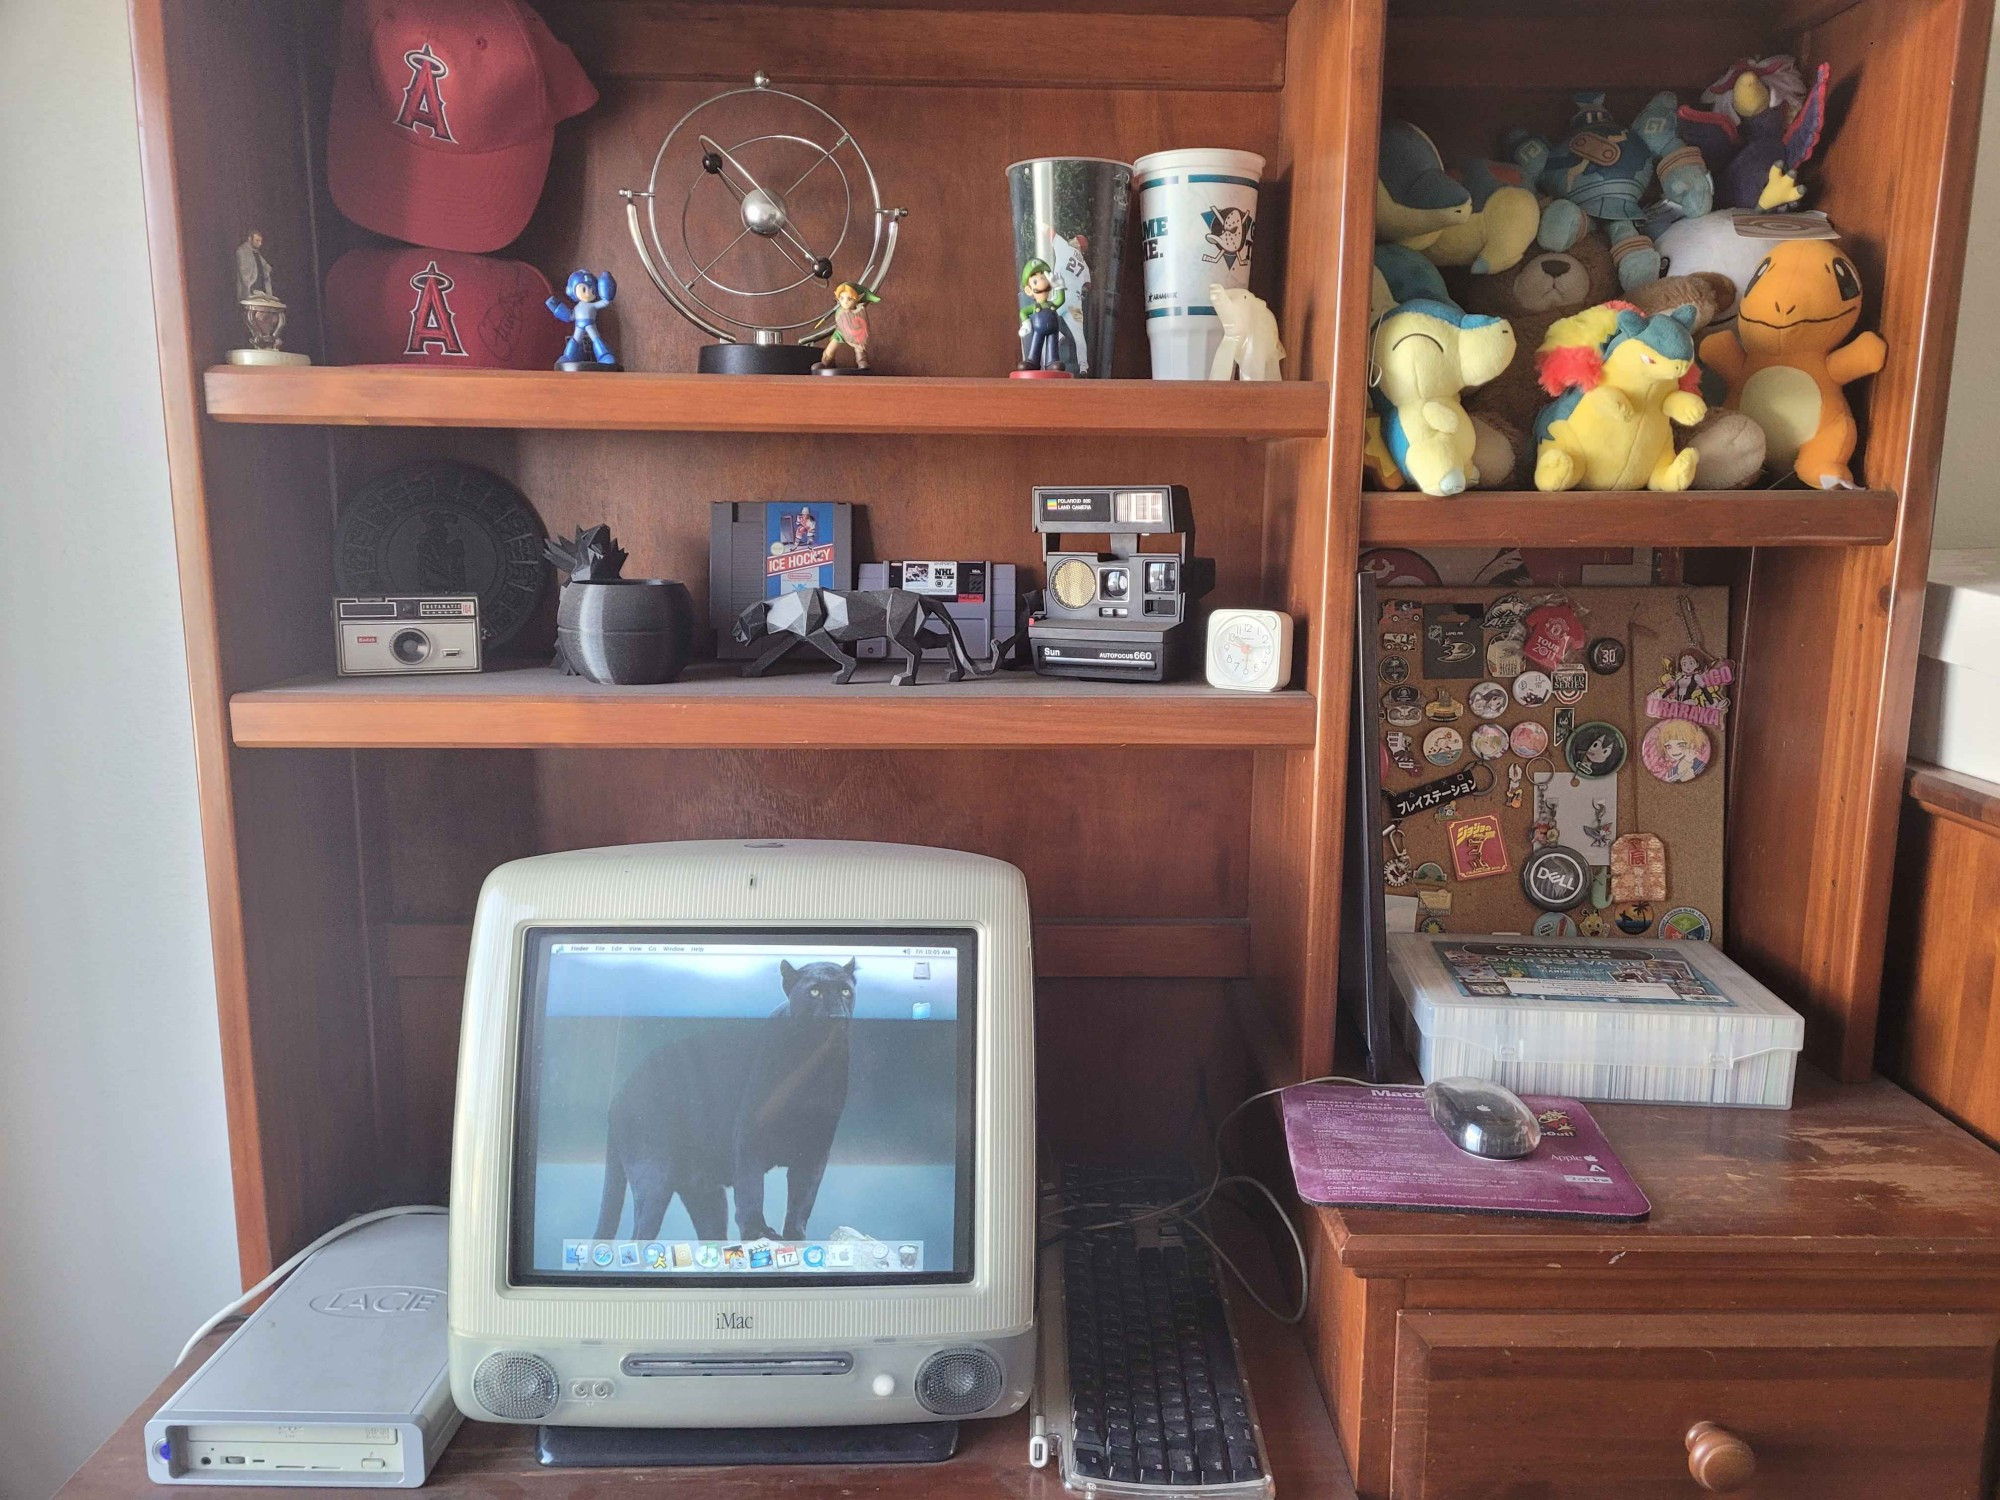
(1719, 1460)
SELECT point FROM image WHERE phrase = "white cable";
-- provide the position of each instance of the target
(1183, 1210)
(235, 1309)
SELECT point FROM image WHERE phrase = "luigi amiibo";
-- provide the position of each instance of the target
(1042, 299)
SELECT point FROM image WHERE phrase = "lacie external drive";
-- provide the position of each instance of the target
(338, 1380)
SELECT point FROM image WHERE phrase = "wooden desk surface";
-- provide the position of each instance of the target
(1852, 1179)
(486, 1460)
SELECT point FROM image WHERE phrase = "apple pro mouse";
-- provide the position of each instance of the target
(1482, 1118)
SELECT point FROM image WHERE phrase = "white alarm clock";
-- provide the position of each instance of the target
(1249, 649)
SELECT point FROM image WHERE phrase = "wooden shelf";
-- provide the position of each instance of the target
(1696, 518)
(1733, 1192)
(395, 396)
(532, 707)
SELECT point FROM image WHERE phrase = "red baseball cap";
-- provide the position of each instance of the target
(444, 113)
(440, 308)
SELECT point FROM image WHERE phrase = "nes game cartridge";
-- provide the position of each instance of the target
(339, 1380)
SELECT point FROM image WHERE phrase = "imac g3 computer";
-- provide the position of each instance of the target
(745, 1139)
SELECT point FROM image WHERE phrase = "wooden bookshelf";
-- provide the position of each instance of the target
(392, 396)
(1183, 847)
(535, 707)
(1698, 518)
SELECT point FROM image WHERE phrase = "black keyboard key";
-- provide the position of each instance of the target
(1156, 1395)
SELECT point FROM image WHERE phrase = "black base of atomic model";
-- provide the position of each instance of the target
(756, 359)
(831, 620)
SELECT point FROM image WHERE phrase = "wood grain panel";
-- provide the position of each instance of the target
(293, 1003)
(712, 707)
(1064, 949)
(1351, 1324)
(1327, 156)
(1100, 834)
(1842, 1407)
(397, 396)
(963, 46)
(1717, 518)
(1955, 794)
(1941, 990)
(1831, 638)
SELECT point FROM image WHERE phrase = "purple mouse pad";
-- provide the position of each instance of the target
(1378, 1148)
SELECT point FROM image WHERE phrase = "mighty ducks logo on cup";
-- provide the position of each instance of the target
(1198, 214)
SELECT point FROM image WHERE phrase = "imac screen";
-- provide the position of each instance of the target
(791, 1106)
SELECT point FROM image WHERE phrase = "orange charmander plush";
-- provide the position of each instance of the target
(1785, 362)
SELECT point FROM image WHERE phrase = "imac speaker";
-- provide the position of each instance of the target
(958, 1382)
(517, 1387)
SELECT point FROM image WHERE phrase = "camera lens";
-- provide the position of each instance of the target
(410, 647)
(1115, 583)
(1074, 583)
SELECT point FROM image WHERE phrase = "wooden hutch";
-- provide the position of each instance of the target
(1824, 1284)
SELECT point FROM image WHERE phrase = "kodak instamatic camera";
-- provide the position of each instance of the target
(1120, 614)
(433, 633)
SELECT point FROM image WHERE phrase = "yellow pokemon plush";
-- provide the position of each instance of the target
(1425, 354)
(1620, 379)
(1785, 361)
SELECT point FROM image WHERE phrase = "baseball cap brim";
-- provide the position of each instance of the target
(450, 200)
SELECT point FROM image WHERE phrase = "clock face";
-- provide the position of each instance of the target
(1244, 650)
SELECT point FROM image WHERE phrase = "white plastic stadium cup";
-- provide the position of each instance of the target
(1197, 221)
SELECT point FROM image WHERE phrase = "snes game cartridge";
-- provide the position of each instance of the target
(339, 1380)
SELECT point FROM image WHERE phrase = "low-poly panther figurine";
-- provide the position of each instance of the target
(830, 619)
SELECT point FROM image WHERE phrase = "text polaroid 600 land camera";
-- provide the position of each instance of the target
(432, 633)
(1121, 614)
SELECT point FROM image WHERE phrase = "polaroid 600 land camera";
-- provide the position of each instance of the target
(1122, 614)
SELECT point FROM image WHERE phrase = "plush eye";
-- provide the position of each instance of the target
(1758, 275)
(1846, 279)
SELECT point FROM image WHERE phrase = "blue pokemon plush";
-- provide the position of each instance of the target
(1601, 172)
(1415, 198)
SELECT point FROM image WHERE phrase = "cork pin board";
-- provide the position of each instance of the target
(1509, 697)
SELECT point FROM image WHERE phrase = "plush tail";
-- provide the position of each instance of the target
(612, 1208)
(955, 643)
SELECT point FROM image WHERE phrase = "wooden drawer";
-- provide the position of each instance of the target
(1526, 1406)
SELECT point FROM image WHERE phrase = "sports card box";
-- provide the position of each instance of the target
(761, 549)
(979, 596)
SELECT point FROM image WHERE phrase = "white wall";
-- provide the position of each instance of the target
(116, 1233)
(1968, 503)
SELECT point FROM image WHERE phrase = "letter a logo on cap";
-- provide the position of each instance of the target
(423, 105)
(433, 329)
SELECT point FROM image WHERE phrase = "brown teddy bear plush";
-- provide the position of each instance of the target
(1545, 286)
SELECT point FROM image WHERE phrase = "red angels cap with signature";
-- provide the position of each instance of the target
(441, 308)
(444, 113)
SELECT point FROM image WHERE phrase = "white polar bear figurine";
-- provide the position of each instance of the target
(1250, 347)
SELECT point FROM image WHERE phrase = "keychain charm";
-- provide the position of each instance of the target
(1396, 860)
(1514, 786)
(1638, 868)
